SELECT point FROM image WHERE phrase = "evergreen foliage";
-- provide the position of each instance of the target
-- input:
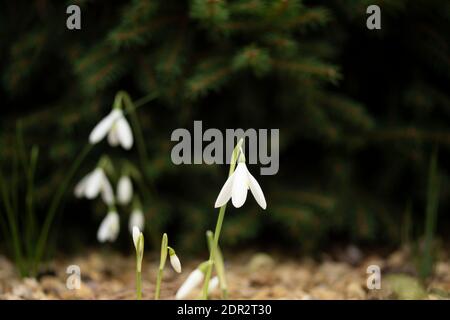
(358, 110)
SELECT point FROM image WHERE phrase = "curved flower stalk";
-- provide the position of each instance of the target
(124, 99)
(138, 240)
(174, 261)
(116, 127)
(236, 188)
(93, 184)
(124, 190)
(109, 228)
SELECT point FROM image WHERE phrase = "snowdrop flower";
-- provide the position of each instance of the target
(124, 190)
(94, 183)
(237, 185)
(213, 284)
(109, 228)
(116, 127)
(136, 220)
(136, 234)
(192, 281)
(174, 261)
(138, 240)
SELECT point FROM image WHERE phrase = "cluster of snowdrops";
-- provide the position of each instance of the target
(118, 132)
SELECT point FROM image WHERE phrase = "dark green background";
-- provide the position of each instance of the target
(359, 111)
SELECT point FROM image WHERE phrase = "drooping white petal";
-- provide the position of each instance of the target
(213, 284)
(109, 228)
(192, 281)
(124, 133)
(124, 190)
(81, 187)
(136, 220)
(175, 262)
(94, 183)
(240, 185)
(256, 191)
(113, 139)
(103, 127)
(136, 234)
(107, 191)
(225, 192)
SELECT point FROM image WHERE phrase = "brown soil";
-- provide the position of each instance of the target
(250, 276)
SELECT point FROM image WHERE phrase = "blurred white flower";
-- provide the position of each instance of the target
(124, 190)
(116, 126)
(213, 284)
(174, 261)
(194, 279)
(109, 228)
(136, 220)
(94, 183)
(237, 185)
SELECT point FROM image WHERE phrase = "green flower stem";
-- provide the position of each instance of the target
(131, 109)
(213, 251)
(219, 265)
(139, 257)
(158, 284)
(138, 285)
(144, 100)
(219, 227)
(162, 263)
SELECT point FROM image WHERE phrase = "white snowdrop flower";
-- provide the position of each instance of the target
(136, 220)
(116, 126)
(237, 185)
(193, 280)
(109, 228)
(93, 184)
(213, 284)
(136, 234)
(107, 192)
(81, 187)
(138, 240)
(174, 261)
(124, 190)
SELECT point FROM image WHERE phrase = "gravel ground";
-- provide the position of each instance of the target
(250, 276)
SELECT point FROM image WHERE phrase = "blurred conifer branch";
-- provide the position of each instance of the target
(254, 63)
